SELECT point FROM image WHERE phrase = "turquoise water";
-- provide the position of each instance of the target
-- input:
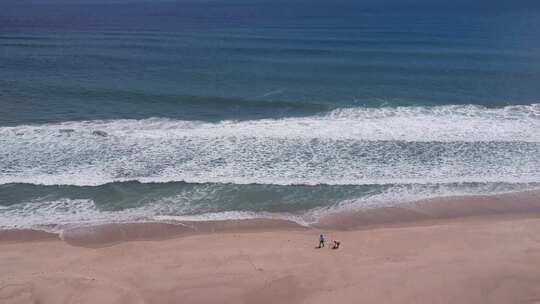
(125, 112)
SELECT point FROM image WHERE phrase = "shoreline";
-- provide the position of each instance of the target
(423, 212)
(480, 259)
(466, 253)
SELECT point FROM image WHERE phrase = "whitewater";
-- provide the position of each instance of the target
(343, 147)
(297, 168)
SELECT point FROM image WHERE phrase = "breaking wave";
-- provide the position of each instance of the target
(356, 146)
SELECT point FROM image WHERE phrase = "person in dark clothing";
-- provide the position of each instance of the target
(321, 241)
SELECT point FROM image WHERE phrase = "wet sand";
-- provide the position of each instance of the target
(452, 250)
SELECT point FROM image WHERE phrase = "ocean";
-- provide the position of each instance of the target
(163, 111)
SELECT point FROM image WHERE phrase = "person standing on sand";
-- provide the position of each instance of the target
(321, 241)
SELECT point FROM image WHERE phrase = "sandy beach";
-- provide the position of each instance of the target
(481, 258)
(194, 151)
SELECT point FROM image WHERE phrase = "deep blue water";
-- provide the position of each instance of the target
(127, 111)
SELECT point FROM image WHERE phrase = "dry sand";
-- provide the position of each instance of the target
(485, 258)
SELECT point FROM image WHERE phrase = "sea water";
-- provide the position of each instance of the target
(113, 111)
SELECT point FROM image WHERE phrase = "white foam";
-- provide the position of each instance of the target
(55, 216)
(234, 215)
(446, 144)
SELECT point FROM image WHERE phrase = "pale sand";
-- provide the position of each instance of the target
(486, 258)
